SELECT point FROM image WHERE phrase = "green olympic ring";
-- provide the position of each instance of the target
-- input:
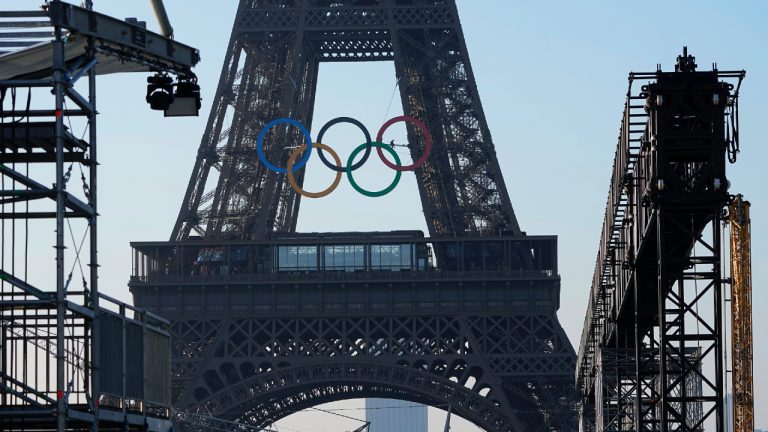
(357, 187)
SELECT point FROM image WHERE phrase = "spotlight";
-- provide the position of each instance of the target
(159, 92)
(186, 99)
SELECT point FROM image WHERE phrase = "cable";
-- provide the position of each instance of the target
(337, 414)
(26, 173)
(2, 187)
(391, 98)
(732, 130)
(13, 186)
(381, 408)
(292, 429)
(78, 262)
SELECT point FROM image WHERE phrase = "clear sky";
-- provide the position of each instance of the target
(552, 77)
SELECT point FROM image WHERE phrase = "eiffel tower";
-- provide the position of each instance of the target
(266, 322)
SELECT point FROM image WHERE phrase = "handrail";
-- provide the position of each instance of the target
(140, 311)
(625, 158)
(347, 276)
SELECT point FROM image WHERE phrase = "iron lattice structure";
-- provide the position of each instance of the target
(271, 70)
(651, 355)
(258, 337)
(263, 329)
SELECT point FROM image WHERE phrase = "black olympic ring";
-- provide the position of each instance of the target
(367, 141)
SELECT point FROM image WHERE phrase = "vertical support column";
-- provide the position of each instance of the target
(680, 357)
(206, 154)
(59, 76)
(278, 79)
(144, 358)
(718, 325)
(124, 353)
(638, 348)
(3, 362)
(461, 185)
(296, 99)
(433, 176)
(94, 257)
(661, 289)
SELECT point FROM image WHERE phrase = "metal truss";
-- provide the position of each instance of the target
(500, 372)
(651, 349)
(615, 386)
(270, 71)
(741, 313)
(689, 332)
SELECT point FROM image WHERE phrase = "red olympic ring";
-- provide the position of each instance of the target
(427, 142)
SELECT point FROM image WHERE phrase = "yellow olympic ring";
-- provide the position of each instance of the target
(292, 179)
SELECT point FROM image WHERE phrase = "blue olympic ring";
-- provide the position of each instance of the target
(263, 133)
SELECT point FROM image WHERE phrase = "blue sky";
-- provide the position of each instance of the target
(552, 77)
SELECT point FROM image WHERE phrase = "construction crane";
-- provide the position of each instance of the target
(741, 316)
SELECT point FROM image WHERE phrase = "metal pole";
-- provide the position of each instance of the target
(124, 372)
(447, 427)
(162, 18)
(3, 362)
(637, 335)
(661, 296)
(717, 286)
(94, 263)
(58, 88)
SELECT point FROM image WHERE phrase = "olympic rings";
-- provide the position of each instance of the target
(298, 188)
(427, 143)
(293, 166)
(263, 133)
(355, 122)
(384, 191)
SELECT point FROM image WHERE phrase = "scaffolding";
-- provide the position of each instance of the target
(71, 358)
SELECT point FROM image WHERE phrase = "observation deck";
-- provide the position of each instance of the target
(347, 273)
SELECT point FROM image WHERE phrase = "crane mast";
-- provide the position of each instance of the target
(741, 311)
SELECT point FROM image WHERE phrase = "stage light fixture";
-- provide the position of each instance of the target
(159, 92)
(186, 99)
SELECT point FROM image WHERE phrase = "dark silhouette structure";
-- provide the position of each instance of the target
(652, 345)
(266, 322)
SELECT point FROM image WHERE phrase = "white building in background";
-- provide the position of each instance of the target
(390, 415)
